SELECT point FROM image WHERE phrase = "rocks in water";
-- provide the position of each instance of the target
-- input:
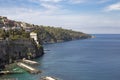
(48, 78)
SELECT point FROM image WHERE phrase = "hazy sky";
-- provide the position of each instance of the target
(89, 16)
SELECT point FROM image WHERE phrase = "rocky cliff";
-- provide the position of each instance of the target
(16, 42)
(14, 50)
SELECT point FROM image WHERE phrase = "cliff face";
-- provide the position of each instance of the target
(18, 49)
(52, 35)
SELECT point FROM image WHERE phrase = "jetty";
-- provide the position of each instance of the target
(30, 62)
(28, 68)
(10, 72)
(20, 66)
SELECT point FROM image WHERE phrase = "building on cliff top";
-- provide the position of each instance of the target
(34, 36)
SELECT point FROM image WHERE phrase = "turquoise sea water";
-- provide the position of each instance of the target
(91, 59)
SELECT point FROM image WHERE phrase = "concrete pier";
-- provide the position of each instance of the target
(30, 62)
(28, 68)
(10, 72)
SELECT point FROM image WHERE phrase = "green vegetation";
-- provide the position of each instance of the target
(46, 34)
(14, 34)
(49, 34)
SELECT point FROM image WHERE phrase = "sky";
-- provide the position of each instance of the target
(89, 16)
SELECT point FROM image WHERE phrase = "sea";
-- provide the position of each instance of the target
(89, 59)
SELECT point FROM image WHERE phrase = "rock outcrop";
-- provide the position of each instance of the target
(11, 51)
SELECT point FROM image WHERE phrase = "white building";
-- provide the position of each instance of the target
(5, 28)
(34, 36)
